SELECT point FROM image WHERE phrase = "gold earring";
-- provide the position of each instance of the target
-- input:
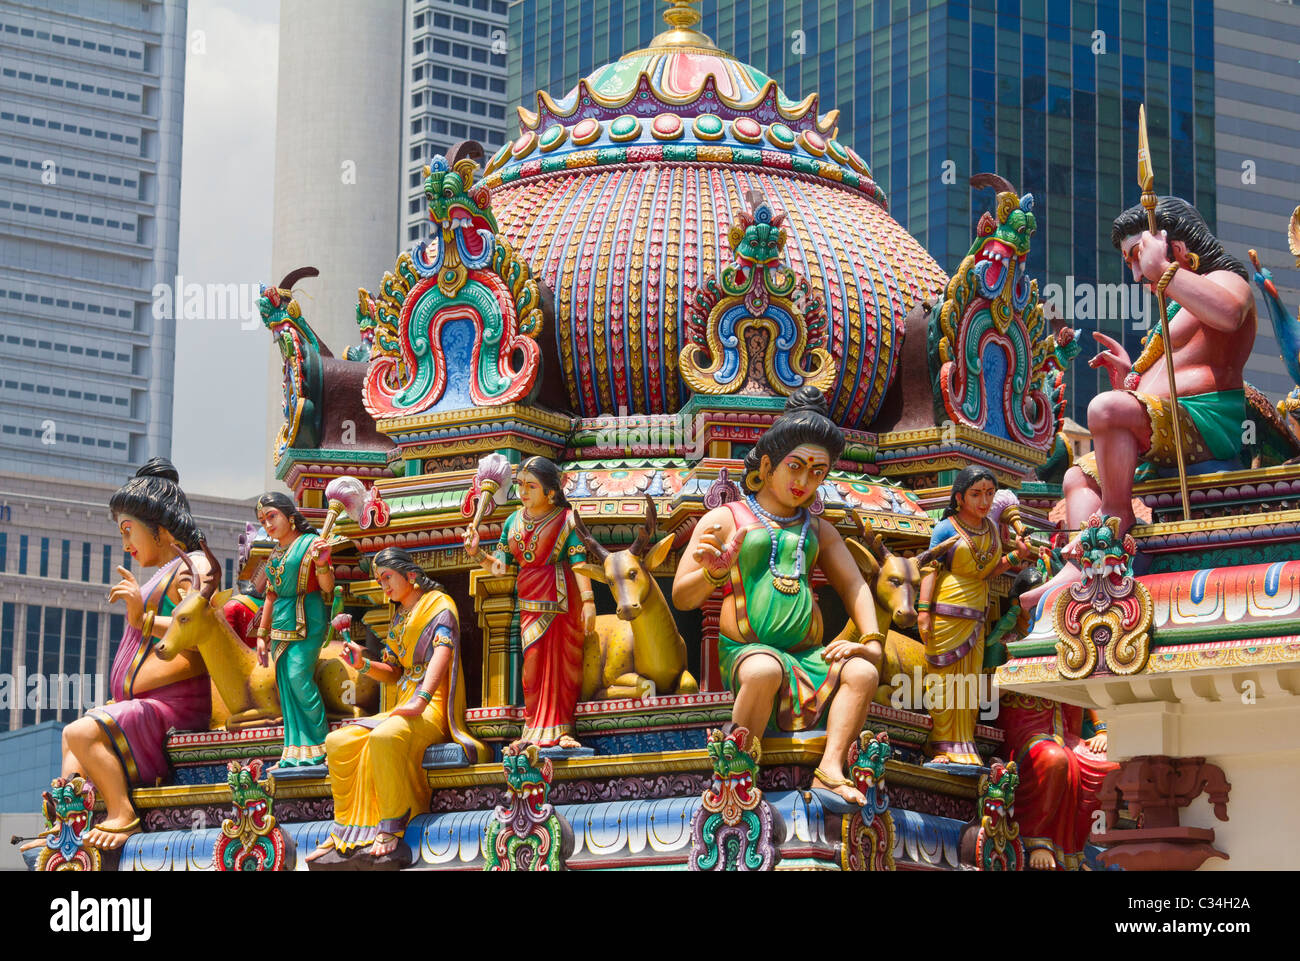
(754, 480)
(1195, 258)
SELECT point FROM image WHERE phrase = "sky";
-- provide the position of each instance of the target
(219, 441)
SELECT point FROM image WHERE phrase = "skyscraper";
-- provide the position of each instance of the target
(1043, 92)
(91, 99)
(1257, 135)
(455, 78)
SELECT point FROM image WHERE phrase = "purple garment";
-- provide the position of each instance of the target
(137, 726)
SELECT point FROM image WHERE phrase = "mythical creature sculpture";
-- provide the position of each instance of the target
(734, 829)
(1107, 610)
(455, 324)
(526, 833)
(303, 373)
(1285, 328)
(251, 840)
(639, 652)
(867, 837)
(68, 807)
(996, 365)
(997, 840)
(758, 328)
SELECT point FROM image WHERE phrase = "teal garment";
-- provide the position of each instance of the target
(299, 626)
(1218, 417)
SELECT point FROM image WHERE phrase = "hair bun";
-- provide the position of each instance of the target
(159, 467)
(807, 398)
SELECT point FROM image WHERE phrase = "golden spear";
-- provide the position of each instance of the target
(1147, 181)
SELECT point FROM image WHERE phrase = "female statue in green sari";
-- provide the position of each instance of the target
(295, 622)
(760, 552)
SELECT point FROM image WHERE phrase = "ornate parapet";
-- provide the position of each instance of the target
(1153, 789)
(734, 828)
(67, 807)
(1106, 616)
(251, 840)
(526, 833)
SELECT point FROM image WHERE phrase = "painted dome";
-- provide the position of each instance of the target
(620, 195)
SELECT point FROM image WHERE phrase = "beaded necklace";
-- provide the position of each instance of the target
(982, 557)
(275, 563)
(785, 583)
(531, 528)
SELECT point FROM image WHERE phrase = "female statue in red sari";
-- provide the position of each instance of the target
(556, 604)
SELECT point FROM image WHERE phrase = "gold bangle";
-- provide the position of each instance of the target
(264, 632)
(146, 625)
(588, 596)
(1166, 278)
(715, 581)
(873, 636)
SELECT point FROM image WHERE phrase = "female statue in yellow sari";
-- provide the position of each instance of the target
(953, 609)
(375, 763)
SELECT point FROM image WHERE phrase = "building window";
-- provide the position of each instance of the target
(85, 562)
(22, 553)
(45, 557)
(108, 563)
(92, 643)
(4, 552)
(65, 560)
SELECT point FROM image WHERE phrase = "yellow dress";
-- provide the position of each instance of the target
(955, 653)
(376, 774)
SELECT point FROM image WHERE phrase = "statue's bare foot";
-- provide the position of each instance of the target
(384, 843)
(568, 742)
(838, 785)
(322, 849)
(1040, 859)
(111, 834)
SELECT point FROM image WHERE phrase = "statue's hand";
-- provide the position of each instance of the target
(1152, 259)
(412, 708)
(713, 555)
(351, 654)
(925, 625)
(1097, 743)
(1113, 358)
(263, 651)
(471, 540)
(498, 566)
(589, 617)
(128, 591)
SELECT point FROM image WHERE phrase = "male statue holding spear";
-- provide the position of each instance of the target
(1190, 367)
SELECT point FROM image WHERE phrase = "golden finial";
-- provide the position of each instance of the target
(681, 14)
(682, 17)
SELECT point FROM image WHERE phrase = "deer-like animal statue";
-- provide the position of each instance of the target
(246, 687)
(896, 583)
(639, 652)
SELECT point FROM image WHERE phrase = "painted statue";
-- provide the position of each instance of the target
(1211, 325)
(953, 609)
(761, 552)
(120, 745)
(376, 776)
(295, 622)
(557, 607)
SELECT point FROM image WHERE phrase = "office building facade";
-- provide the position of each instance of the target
(91, 101)
(59, 553)
(1043, 92)
(1257, 136)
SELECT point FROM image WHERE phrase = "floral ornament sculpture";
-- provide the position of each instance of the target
(998, 846)
(456, 313)
(67, 807)
(756, 292)
(867, 836)
(733, 829)
(251, 840)
(526, 834)
(997, 366)
(1107, 610)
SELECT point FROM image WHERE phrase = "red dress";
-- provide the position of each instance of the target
(1059, 775)
(550, 620)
